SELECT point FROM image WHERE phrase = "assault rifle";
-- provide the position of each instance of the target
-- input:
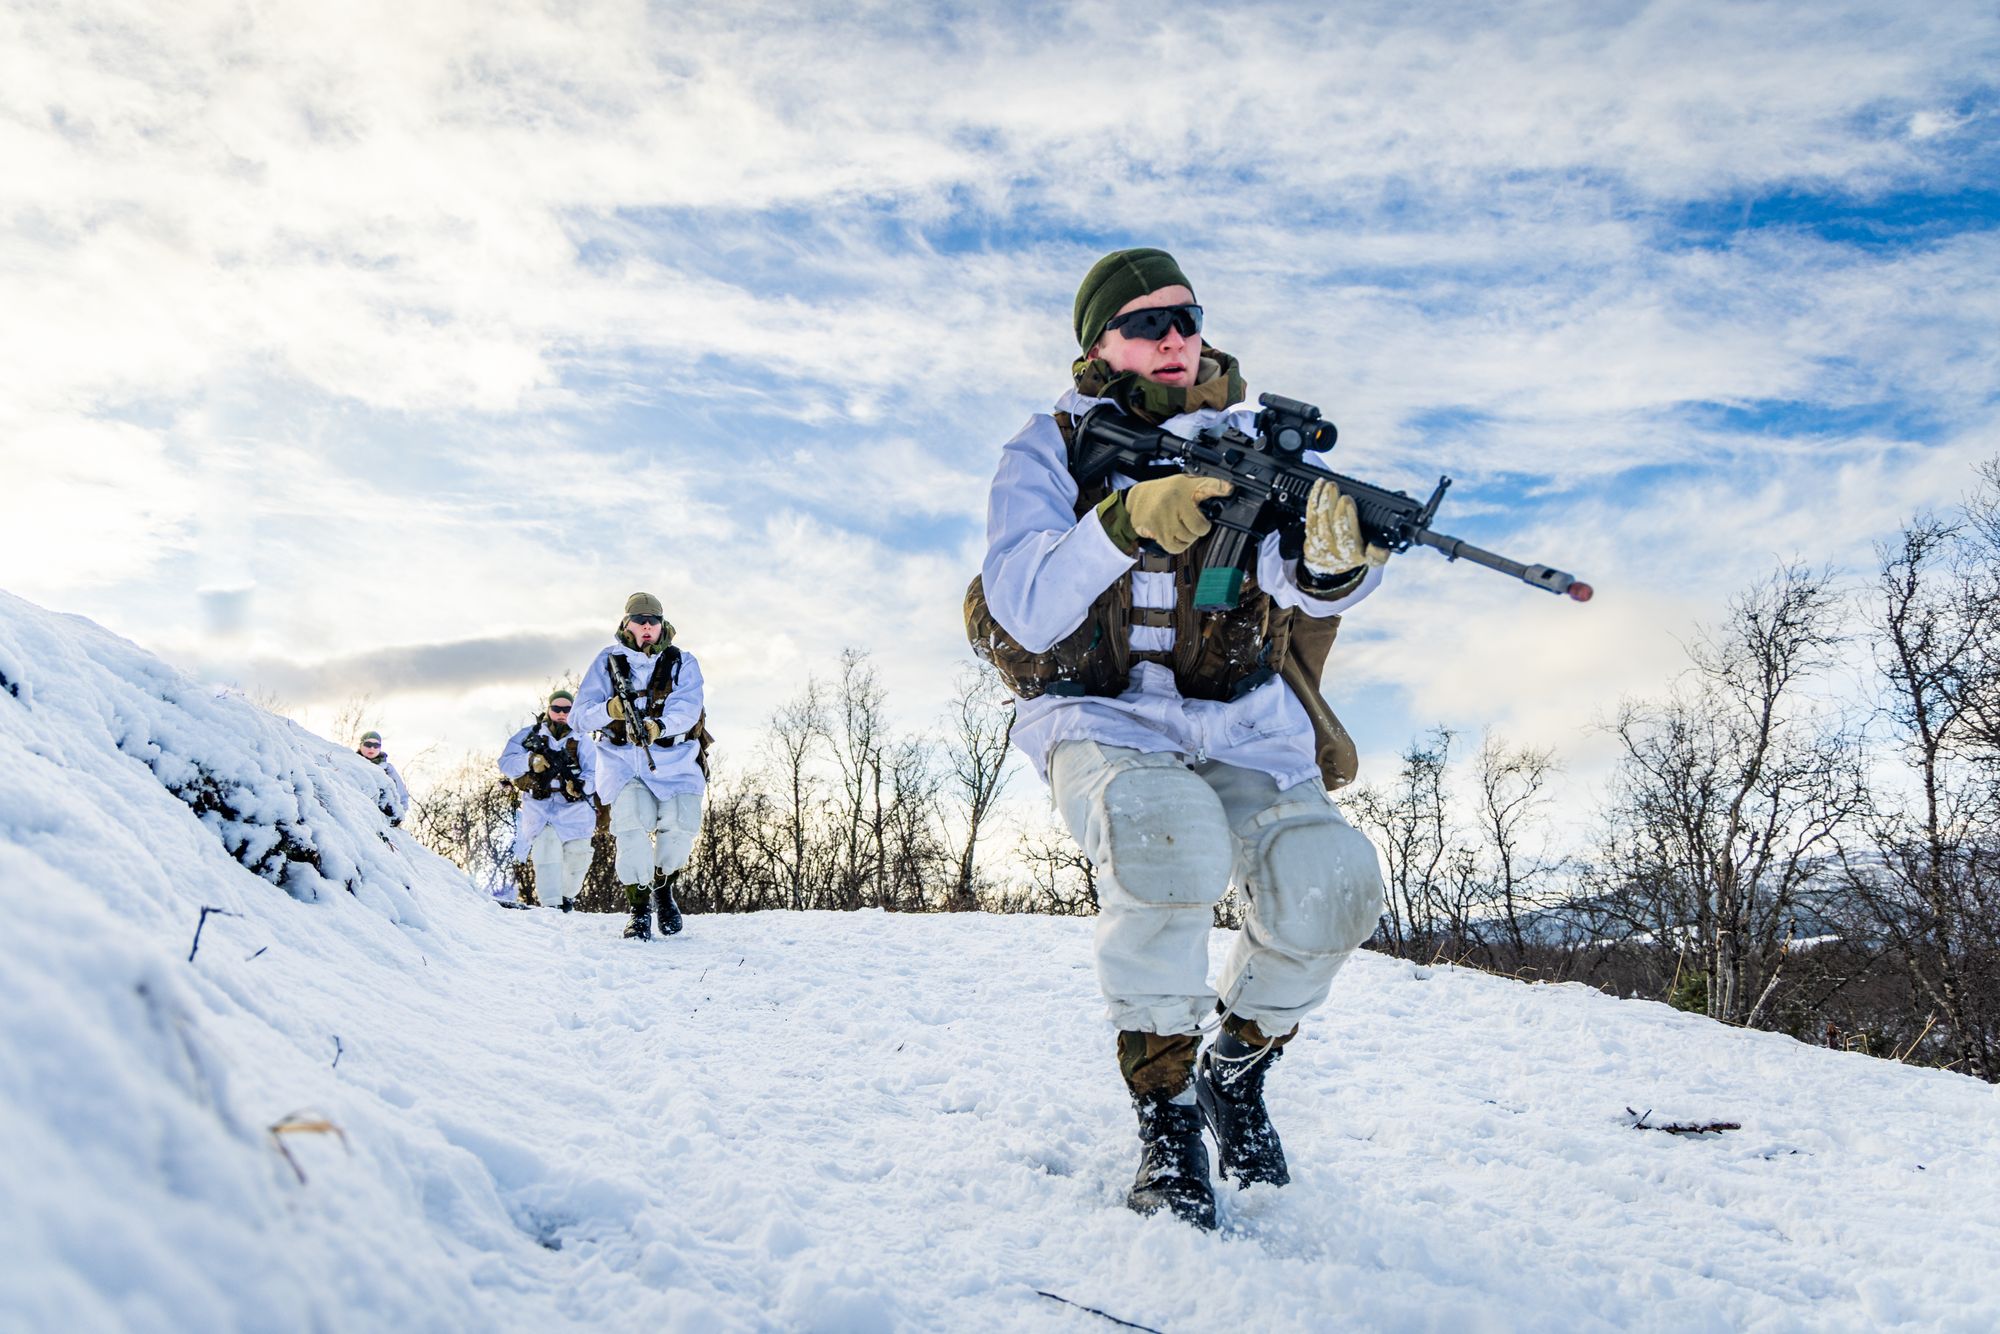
(560, 766)
(1273, 478)
(635, 721)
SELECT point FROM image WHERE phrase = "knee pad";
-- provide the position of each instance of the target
(635, 810)
(1166, 841)
(1316, 887)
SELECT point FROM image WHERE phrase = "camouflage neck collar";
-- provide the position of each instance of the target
(1217, 384)
(652, 650)
(377, 757)
(555, 729)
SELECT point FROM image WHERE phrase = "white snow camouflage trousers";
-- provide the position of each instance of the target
(652, 831)
(560, 866)
(1167, 838)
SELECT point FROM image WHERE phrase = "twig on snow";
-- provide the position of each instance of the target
(260, 950)
(338, 1050)
(1094, 1311)
(303, 1123)
(201, 922)
(1681, 1127)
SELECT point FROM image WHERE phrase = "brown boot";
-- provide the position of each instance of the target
(1173, 1162)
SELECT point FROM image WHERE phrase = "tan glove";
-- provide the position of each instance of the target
(653, 730)
(539, 763)
(1333, 534)
(1168, 509)
(616, 708)
(525, 782)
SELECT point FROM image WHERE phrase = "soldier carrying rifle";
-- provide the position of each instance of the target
(550, 762)
(1178, 753)
(642, 697)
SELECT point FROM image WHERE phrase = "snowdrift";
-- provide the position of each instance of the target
(492, 1119)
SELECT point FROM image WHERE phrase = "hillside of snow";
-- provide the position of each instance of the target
(516, 1120)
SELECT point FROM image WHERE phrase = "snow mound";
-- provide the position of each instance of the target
(374, 1099)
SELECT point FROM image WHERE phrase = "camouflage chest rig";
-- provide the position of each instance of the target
(1217, 655)
(564, 776)
(666, 675)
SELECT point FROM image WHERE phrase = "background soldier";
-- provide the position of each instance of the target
(643, 697)
(1177, 755)
(395, 796)
(550, 762)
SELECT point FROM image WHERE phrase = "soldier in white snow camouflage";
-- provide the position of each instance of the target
(394, 797)
(642, 698)
(552, 764)
(1177, 754)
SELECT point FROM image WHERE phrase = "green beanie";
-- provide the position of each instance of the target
(644, 604)
(367, 737)
(555, 695)
(1121, 276)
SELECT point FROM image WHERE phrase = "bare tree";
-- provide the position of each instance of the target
(468, 817)
(1062, 879)
(1729, 792)
(1431, 872)
(788, 843)
(1513, 795)
(914, 836)
(1928, 873)
(855, 734)
(352, 718)
(977, 727)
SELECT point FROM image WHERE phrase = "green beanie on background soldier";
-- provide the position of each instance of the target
(1176, 754)
(650, 766)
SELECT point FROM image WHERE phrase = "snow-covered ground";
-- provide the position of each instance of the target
(824, 1122)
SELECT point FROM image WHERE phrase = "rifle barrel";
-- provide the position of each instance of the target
(1541, 576)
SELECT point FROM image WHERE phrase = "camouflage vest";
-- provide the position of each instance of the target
(1216, 655)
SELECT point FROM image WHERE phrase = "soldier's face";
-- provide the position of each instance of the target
(645, 630)
(1174, 359)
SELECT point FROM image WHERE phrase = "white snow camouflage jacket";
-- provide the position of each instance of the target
(675, 769)
(393, 792)
(1044, 567)
(572, 819)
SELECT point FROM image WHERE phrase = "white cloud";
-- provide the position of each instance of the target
(409, 326)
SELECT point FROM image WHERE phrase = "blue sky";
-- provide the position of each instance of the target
(354, 350)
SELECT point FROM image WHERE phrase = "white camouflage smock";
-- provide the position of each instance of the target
(675, 771)
(570, 819)
(1045, 567)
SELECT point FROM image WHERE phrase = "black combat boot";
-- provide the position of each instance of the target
(641, 925)
(1229, 1085)
(670, 912)
(1173, 1162)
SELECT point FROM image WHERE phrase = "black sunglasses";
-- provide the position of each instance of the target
(558, 708)
(643, 620)
(1151, 324)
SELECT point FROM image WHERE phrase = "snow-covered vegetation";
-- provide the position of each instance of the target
(370, 1098)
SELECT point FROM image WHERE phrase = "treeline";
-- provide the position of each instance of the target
(1769, 853)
